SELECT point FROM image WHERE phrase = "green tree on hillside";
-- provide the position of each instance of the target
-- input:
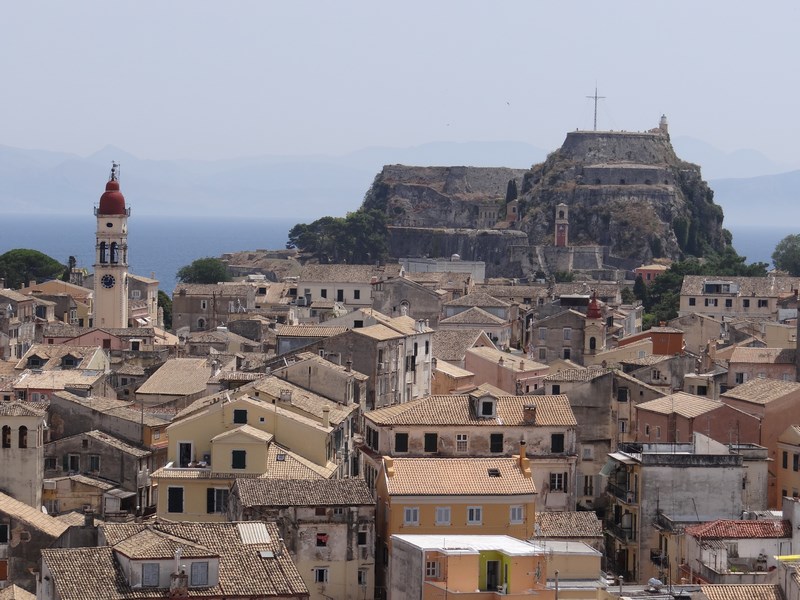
(787, 255)
(358, 238)
(22, 265)
(204, 270)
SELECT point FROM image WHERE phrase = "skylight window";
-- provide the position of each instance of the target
(494, 472)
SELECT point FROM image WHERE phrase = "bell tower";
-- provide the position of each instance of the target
(562, 225)
(111, 257)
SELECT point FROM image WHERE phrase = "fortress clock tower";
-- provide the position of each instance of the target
(111, 257)
(562, 225)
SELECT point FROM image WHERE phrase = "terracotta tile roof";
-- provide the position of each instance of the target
(53, 353)
(58, 380)
(452, 370)
(305, 401)
(762, 391)
(473, 316)
(32, 516)
(308, 331)
(579, 374)
(111, 441)
(303, 492)
(516, 362)
(645, 361)
(742, 591)
(569, 524)
(74, 518)
(748, 286)
(16, 408)
(457, 477)
(378, 332)
(325, 364)
(727, 529)
(551, 411)
(13, 295)
(14, 592)
(155, 543)
(90, 481)
(92, 573)
(178, 377)
(479, 299)
(217, 289)
(113, 407)
(347, 273)
(452, 345)
(771, 356)
(681, 403)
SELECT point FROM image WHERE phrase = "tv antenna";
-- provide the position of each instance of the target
(595, 98)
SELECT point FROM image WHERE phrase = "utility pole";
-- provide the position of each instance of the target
(595, 98)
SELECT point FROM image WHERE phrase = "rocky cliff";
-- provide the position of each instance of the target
(627, 193)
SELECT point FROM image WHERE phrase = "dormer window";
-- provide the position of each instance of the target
(35, 362)
(487, 408)
(69, 362)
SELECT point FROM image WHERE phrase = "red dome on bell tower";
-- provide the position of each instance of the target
(593, 312)
(112, 202)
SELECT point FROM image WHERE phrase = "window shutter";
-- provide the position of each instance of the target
(565, 483)
(66, 462)
(210, 500)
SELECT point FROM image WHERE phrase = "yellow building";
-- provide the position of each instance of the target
(448, 496)
(245, 437)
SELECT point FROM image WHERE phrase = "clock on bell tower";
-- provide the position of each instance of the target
(111, 257)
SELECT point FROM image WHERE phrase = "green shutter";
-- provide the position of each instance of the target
(210, 500)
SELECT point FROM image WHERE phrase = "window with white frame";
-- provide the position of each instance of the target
(321, 575)
(474, 515)
(431, 568)
(558, 482)
(411, 515)
(443, 515)
(567, 333)
(516, 514)
(462, 442)
(543, 333)
(362, 577)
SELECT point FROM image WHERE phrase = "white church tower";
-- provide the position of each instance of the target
(111, 257)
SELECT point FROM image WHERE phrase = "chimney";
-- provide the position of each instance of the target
(88, 518)
(178, 580)
(529, 414)
(388, 464)
(524, 461)
(348, 365)
(326, 416)
(286, 395)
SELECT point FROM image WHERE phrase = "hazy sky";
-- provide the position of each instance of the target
(201, 79)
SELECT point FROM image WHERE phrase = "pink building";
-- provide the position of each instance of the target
(511, 373)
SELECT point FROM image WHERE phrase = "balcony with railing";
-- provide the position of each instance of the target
(624, 534)
(623, 492)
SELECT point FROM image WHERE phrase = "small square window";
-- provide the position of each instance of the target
(322, 540)
(238, 459)
(516, 514)
(320, 575)
(432, 568)
(239, 416)
(320, 511)
(443, 515)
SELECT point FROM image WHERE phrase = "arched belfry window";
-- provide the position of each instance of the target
(561, 214)
(114, 252)
(103, 252)
(592, 343)
(6, 436)
(23, 437)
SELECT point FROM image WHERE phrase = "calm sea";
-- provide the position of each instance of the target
(161, 245)
(156, 244)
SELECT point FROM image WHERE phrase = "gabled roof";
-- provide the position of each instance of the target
(472, 316)
(681, 403)
(303, 492)
(516, 362)
(15, 408)
(762, 391)
(246, 430)
(378, 332)
(456, 477)
(14, 592)
(347, 273)
(155, 543)
(452, 344)
(551, 411)
(771, 356)
(31, 516)
(113, 407)
(568, 524)
(578, 374)
(108, 440)
(763, 287)
(308, 331)
(178, 377)
(728, 529)
(249, 565)
(480, 299)
(742, 591)
(52, 354)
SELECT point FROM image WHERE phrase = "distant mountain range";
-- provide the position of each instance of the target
(310, 186)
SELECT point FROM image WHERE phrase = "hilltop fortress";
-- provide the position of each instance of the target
(604, 200)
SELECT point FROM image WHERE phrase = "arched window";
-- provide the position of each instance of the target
(6, 436)
(201, 323)
(23, 437)
(592, 343)
(561, 214)
(103, 252)
(114, 252)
